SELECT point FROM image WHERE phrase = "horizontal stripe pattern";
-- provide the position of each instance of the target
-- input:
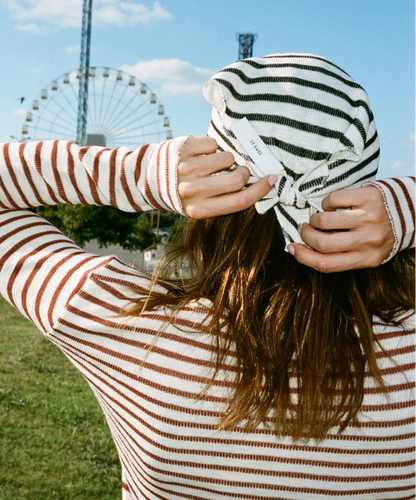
(129, 180)
(167, 436)
(315, 119)
(147, 376)
(399, 202)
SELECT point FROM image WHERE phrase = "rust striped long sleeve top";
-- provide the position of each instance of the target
(147, 376)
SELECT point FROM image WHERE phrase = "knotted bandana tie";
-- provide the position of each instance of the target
(312, 117)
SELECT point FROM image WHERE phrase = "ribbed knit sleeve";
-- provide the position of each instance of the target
(51, 172)
(399, 200)
(40, 268)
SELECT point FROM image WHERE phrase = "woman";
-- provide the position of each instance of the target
(256, 377)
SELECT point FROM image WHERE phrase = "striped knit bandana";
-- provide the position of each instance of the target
(298, 116)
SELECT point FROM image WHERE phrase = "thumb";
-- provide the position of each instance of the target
(261, 188)
(254, 193)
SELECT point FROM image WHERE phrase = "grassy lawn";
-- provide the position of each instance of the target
(54, 441)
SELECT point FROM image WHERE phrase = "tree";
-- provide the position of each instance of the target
(107, 225)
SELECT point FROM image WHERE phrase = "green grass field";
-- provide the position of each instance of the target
(54, 441)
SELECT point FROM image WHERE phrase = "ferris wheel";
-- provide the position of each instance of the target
(122, 111)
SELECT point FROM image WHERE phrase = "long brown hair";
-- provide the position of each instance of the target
(284, 320)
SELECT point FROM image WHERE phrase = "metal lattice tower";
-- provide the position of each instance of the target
(84, 73)
(245, 42)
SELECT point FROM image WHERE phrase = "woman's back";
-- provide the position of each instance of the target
(166, 433)
(255, 378)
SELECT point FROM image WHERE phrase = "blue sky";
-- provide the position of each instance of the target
(174, 46)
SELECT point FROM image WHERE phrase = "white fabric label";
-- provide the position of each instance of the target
(255, 148)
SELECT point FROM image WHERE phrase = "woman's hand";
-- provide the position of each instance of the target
(342, 240)
(205, 195)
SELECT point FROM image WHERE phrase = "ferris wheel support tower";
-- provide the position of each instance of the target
(84, 72)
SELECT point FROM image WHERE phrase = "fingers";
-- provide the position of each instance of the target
(202, 187)
(206, 195)
(331, 263)
(332, 221)
(347, 198)
(350, 219)
(195, 146)
(350, 239)
(214, 163)
(337, 199)
(207, 164)
(342, 241)
(229, 203)
(200, 157)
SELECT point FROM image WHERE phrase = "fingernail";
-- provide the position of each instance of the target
(272, 179)
(300, 227)
(291, 249)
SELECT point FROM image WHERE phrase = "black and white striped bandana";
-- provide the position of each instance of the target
(312, 117)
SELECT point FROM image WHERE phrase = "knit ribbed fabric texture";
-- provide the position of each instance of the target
(398, 197)
(315, 119)
(148, 375)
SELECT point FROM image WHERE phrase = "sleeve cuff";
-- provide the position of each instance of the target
(161, 182)
(398, 197)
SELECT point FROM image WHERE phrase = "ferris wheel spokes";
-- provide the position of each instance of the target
(120, 119)
(120, 111)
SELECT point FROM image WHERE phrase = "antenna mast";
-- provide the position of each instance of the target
(246, 42)
(83, 73)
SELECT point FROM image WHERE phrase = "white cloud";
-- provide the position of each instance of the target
(129, 13)
(20, 112)
(38, 15)
(171, 76)
(397, 166)
(30, 27)
(73, 48)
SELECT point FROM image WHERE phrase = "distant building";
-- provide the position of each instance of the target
(152, 256)
(145, 261)
(133, 258)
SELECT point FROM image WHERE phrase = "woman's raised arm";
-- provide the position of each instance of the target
(40, 268)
